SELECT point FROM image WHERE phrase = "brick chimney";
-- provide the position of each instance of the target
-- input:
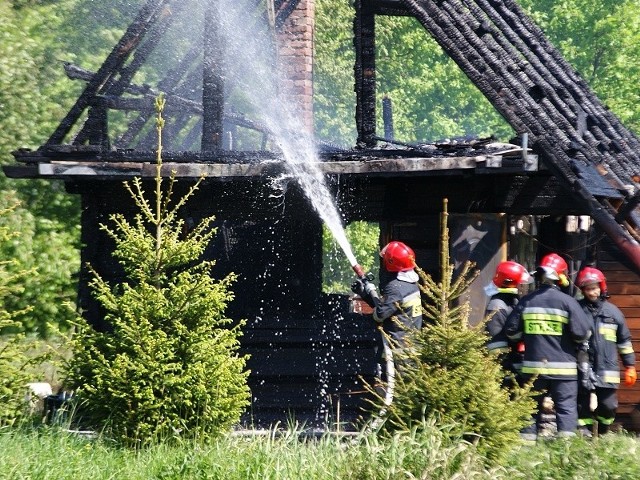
(295, 52)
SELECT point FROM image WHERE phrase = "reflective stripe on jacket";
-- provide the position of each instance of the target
(611, 338)
(400, 299)
(551, 324)
(499, 307)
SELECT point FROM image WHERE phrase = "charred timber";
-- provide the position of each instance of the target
(174, 105)
(519, 77)
(478, 149)
(166, 84)
(74, 72)
(365, 73)
(599, 119)
(555, 80)
(116, 59)
(212, 81)
(182, 90)
(117, 86)
(515, 71)
(393, 8)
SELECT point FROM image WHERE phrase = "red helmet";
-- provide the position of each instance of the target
(397, 257)
(511, 274)
(589, 275)
(555, 268)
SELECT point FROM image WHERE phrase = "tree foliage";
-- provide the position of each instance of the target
(334, 57)
(170, 367)
(448, 374)
(15, 356)
(47, 219)
(432, 99)
(337, 274)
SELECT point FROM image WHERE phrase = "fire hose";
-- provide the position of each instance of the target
(588, 378)
(389, 366)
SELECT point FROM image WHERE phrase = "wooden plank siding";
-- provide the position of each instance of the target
(624, 290)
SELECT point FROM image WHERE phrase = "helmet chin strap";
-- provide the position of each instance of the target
(563, 281)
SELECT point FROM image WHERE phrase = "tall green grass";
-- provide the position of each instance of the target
(55, 454)
(611, 456)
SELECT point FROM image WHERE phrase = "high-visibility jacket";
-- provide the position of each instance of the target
(400, 299)
(611, 338)
(551, 324)
(499, 307)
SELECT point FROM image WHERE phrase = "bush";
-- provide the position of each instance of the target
(15, 353)
(170, 366)
(448, 374)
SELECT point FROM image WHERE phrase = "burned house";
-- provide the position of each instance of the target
(570, 184)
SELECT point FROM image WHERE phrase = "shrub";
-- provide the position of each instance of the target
(15, 353)
(170, 366)
(448, 374)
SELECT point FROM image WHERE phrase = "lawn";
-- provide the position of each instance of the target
(50, 453)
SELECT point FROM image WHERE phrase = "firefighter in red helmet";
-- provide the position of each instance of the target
(552, 325)
(611, 339)
(400, 295)
(397, 310)
(504, 294)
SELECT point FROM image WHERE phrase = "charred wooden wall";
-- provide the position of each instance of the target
(308, 353)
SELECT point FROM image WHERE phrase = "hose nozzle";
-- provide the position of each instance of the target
(362, 275)
(359, 271)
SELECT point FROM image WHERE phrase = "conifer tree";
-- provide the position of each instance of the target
(15, 355)
(170, 367)
(448, 374)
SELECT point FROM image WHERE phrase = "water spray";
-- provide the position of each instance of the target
(298, 150)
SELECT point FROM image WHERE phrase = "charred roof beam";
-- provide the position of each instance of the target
(116, 59)
(365, 73)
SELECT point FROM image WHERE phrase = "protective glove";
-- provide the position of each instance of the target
(357, 287)
(366, 290)
(587, 377)
(630, 376)
(370, 290)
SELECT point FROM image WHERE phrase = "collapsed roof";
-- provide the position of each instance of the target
(493, 41)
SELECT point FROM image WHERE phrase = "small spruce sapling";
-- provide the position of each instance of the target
(448, 374)
(170, 367)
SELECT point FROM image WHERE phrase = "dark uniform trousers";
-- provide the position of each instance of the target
(563, 393)
(605, 413)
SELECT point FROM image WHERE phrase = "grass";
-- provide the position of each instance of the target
(612, 456)
(49, 453)
(54, 454)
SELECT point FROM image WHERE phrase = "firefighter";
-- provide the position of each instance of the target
(504, 294)
(552, 325)
(397, 310)
(611, 338)
(400, 307)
